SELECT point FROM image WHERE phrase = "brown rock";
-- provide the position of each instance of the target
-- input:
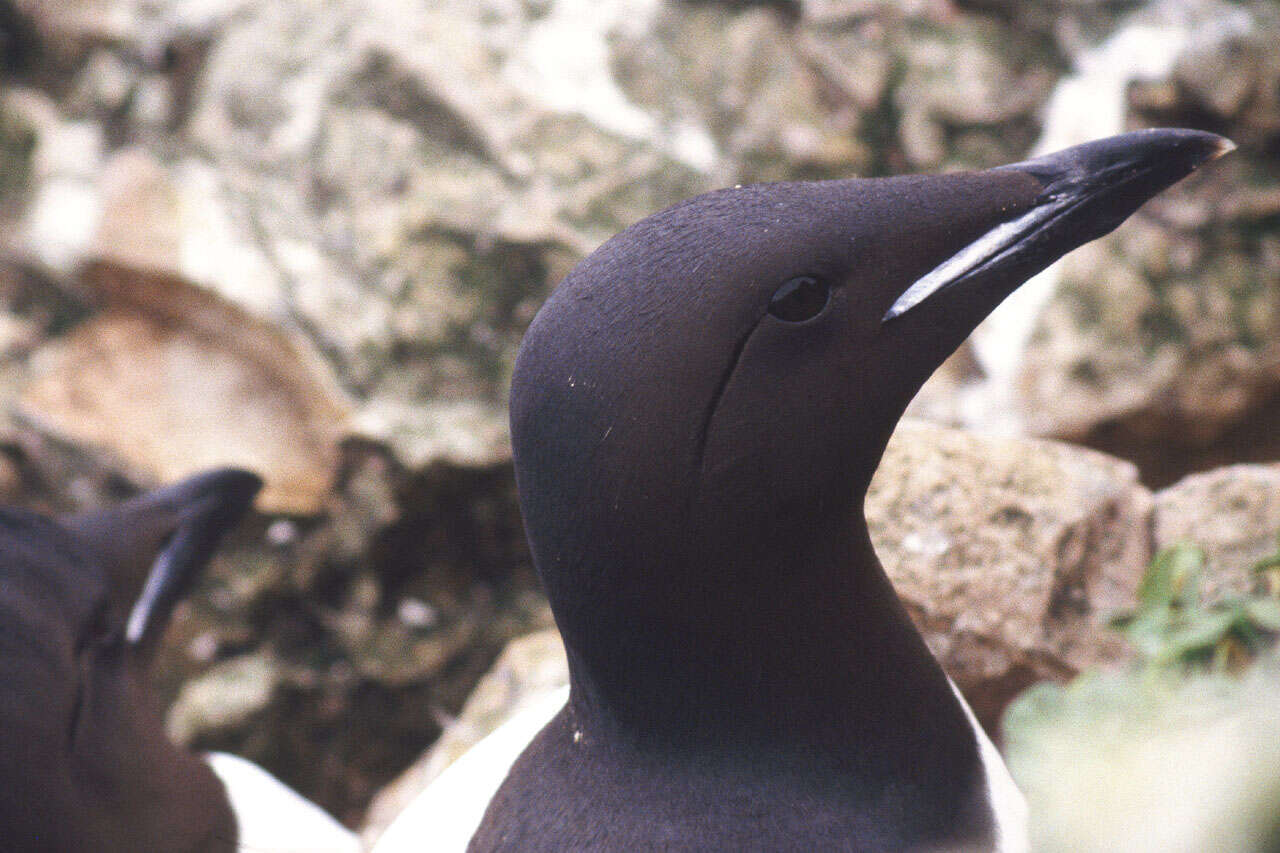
(165, 404)
(10, 480)
(70, 27)
(1160, 342)
(1008, 553)
(171, 378)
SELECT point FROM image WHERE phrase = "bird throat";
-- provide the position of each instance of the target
(798, 639)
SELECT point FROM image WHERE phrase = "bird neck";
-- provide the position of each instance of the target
(793, 634)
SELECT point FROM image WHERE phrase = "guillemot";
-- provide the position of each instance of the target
(696, 414)
(84, 759)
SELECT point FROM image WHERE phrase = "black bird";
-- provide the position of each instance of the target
(696, 414)
(84, 761)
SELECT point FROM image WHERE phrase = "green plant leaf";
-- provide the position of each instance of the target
(1173, 577)
(1197, 635)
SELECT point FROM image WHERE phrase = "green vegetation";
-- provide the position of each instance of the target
(1172, 626)
(1181, 750)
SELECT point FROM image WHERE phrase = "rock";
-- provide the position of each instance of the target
(18, 38)
(529, 668)
(758, 115)
(224, 697)
(172, 379)
(1071, 24)
(1163, 336)
(1008, 554)
(470, 433)
(1233, 513)
(165, 403)
(18, 336)
(1155, 343)
(10, 480)
(930, 90)
(70, 27)
(378, 617)
(1159, 337)
(404, 211)
(17, 142)
(58, 222)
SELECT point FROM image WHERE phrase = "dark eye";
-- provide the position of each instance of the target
(802, 298)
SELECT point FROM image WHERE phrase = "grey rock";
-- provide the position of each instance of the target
(405, 209)
(927, 90)
(758, 113)
(1156, 343)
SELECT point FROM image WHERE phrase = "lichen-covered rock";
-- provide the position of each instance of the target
(404, 210)
(416, 202)
(17, 139)
(1166, 334)
(928, 90)
(227, 696)
(1156, 343)
(760, 112)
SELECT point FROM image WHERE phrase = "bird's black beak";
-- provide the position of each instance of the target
(1088, 190)
(203, 508)
(155, 546)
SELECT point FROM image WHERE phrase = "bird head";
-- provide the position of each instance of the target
(83, 600)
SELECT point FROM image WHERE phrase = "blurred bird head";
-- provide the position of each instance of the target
(83, 600)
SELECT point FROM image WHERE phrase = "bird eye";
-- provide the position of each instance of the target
(799, 299)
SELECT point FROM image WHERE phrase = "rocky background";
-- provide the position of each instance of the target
(305, 237)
